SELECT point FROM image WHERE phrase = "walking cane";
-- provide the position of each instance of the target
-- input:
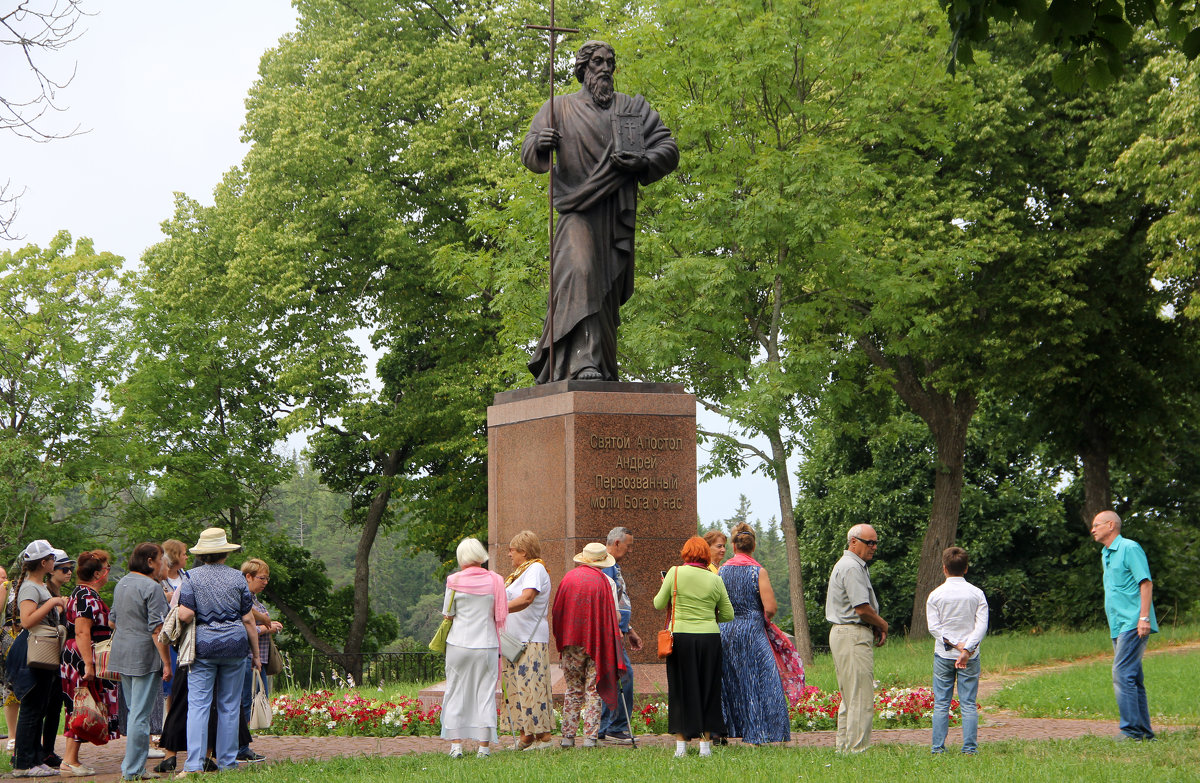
(628, 717)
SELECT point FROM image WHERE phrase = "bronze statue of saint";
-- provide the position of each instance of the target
(607, 143)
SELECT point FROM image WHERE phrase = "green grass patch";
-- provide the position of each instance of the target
(1085, 691)
(906, 663)
(1175, 757)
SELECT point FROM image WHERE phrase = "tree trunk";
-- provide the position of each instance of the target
(948, 416)
(949, 427)
(787, 521)
(350, 657)
(362, 564)
(1097, 484)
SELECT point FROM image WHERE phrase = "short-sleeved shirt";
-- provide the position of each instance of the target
(219, 596)
(531, 624)
(624, 603)
(139, 607)
(87, 603)
(264, 639)
(1125, 568)
(702, 601)
(39, 594)
(849, 586)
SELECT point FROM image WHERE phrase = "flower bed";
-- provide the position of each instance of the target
(321, 713)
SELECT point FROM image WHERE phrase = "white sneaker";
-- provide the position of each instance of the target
(483, 753)
(456, 753)
(156, 753)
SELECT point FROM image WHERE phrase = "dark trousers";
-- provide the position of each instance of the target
(37, 722)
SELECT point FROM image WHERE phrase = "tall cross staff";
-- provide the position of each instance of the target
(553, 30)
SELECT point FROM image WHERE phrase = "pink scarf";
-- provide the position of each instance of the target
(474, 580)
(742, 559)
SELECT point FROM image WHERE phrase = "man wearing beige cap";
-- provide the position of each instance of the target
(588, 638)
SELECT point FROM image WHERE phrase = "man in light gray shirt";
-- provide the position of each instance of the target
(853, 609)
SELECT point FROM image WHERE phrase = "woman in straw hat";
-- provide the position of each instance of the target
(217, 596)
(588, 636)
(476, 601)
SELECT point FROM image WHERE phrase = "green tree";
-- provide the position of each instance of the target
(736, 245)
(60, 312)
(1162, 163)
(1092, 37)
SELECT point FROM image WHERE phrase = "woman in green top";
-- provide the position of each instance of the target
(694, 665)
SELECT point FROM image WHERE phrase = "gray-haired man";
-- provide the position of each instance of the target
(614, 724)
(853, 609)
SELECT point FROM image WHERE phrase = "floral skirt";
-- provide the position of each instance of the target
(528, 703)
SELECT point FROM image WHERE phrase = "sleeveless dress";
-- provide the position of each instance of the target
(752, 698)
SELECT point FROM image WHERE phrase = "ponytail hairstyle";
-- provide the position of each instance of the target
(743, 539)
(89, 564)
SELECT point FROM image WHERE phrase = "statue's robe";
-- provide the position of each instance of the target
(593, 245)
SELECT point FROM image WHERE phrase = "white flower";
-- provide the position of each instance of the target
(330, 724)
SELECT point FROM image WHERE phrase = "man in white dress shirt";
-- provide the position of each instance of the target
(957, 612)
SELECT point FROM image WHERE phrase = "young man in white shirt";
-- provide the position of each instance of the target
(957, 613)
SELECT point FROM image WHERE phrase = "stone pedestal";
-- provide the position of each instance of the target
(571, 460)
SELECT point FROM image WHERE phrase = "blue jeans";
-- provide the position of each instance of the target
(617, 721)
(1129, 686)
(140, 691)
(944, 677)
(215, 683)
(248, 695)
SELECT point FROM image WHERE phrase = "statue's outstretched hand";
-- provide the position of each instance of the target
(629, 161)
(548, 139)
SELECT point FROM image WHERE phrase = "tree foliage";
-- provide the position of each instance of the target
(1091, 36)
(60, 314)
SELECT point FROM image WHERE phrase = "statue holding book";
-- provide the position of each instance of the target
(606, 143)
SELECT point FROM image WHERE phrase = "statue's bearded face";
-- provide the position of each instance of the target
(598, 76)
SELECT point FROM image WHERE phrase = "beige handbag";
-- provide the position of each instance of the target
(260, 706)
(45, 646)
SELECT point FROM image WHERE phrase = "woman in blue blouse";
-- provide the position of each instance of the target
(217, 596)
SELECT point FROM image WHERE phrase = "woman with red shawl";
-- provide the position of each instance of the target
(476, 601)
(588, 637)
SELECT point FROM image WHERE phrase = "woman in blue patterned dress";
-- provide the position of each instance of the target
(752, 697)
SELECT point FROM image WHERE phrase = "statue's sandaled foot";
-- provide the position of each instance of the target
(589, 374)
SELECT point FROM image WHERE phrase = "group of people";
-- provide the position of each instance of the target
(729, 670)
(199, 673)
(957, 617)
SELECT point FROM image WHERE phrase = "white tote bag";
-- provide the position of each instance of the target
(260, 706)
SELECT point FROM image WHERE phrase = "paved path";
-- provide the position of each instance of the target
(995, 726)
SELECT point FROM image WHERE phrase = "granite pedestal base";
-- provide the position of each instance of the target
(571, 460)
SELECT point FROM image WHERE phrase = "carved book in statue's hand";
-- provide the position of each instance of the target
(627, 134)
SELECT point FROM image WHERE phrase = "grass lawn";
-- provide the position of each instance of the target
(1175, 757)
(1085, 691)
(906, 663)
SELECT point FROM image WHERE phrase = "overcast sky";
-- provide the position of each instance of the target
(159, 97)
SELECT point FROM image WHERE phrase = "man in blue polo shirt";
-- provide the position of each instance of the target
(1128, 594)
